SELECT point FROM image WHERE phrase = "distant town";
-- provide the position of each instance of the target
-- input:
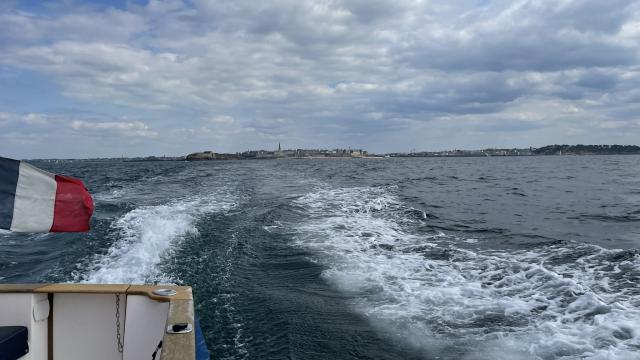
(280, 153)
(360, 153)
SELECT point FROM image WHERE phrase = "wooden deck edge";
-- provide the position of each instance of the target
(182, 292)
(20, 288)
(180, 346)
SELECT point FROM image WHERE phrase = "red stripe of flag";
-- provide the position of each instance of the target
(73, 207)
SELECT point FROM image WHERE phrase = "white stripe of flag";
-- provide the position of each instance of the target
(35, 199)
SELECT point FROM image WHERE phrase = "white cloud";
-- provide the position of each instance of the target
(35, 119)
(133, 128)
(29, 119)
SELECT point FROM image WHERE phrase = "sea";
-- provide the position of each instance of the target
(394, 258)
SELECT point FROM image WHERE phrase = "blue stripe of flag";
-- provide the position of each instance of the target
(9, 172)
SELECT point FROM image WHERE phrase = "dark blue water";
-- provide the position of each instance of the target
(455, 258)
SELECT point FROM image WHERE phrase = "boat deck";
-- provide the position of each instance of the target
(75, 303)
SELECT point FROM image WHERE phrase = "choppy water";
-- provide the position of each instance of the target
(468, 258)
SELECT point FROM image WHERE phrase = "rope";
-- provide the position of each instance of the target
(118, 335)
(153, 356)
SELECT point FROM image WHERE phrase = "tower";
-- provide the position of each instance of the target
(279, 148)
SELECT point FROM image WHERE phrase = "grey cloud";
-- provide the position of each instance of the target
(111, 24)
(527, 35)
(519, 49)
(586, 15)
(598, 80)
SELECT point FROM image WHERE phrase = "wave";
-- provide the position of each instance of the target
(147, 234)
(564, 300)
(114, 193)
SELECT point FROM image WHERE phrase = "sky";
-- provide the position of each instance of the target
(105, 78)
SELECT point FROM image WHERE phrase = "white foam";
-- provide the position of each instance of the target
(147, 234)
(482, 304)
(110, 195)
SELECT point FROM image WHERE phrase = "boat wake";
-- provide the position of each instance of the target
(147, 234)
(453, 300)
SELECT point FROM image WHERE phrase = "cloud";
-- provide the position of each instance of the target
(133, 128)
(80, 24)
(331, 72)
(525, 36)
(36, 119)
(31, 120)
(222, 119)
(38, 135)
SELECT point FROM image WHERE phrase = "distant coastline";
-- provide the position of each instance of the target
(359, 153)
(282, 154)
(542, 151)
(549, 150)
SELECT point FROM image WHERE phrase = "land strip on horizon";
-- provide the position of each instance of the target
(359, 153)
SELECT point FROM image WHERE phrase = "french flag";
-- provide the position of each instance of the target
(33, 200)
